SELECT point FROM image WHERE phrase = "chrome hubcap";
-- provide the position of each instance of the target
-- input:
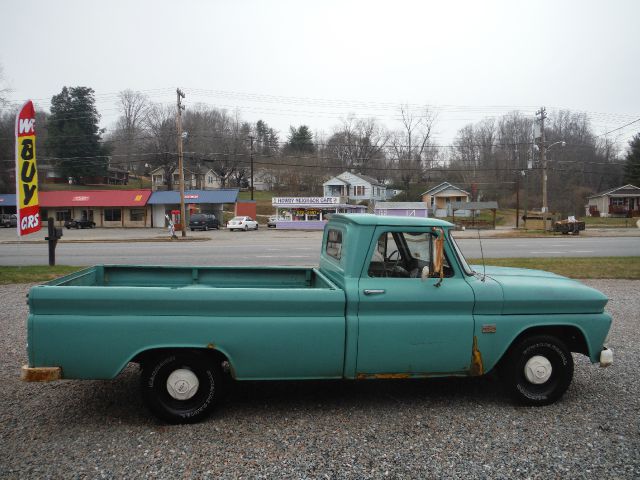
(182, 384)
(538, 369)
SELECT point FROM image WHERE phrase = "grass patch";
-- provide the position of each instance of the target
(609, 222)
(579, 267)
(32, 274)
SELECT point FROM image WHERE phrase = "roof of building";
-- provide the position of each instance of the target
(8, 200)
(624, 190)
(401, 206)
(441, 187)
(474, 205)
(334, 181)
(390, 220)
(369, 179)
(366, 178)
(222, 195)
(94, 198)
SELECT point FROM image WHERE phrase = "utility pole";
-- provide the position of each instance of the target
(516, 163)
(183, 217)
(251, 156)
(543, 158)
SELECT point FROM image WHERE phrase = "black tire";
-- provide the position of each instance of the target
(550, 386)
(246, 228)
(206, 228)
(257, 226)
(155, 392)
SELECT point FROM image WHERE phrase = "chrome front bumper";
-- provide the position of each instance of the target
(606, 357)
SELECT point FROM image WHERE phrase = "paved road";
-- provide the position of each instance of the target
(286, 248)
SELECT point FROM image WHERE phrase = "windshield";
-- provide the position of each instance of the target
(197, 217)
(465, 266)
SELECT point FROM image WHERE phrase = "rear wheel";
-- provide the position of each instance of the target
(246, 227)
(182, 386)
(206, 228)
(538, 370)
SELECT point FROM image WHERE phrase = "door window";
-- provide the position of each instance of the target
(405, 255)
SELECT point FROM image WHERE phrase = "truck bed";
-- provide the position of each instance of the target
(181, 277)
(91, 323)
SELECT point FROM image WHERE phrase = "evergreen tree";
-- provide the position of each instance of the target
(632, 165)
(301, 140)
(74, 134)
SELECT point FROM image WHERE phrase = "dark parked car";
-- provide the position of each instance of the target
(8, 220)
(79, 223)
(203, 221)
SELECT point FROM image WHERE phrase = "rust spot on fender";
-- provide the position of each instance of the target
(211, 346)
(476, 367)
(40, 374)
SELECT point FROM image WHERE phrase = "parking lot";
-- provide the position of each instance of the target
(454, 428)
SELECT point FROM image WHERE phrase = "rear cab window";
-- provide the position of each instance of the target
(333, 246)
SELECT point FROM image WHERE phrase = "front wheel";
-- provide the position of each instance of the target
(181, 387)
(246, 227)
(538, 370)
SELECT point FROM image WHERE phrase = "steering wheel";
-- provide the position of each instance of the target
(396, 268)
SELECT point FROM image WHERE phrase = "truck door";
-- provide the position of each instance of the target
(407, 324)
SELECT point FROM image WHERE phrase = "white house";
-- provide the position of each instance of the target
(617, 202)
(439, 198)
(206, 179)
(356, 187)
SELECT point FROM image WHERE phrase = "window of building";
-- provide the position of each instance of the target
(210, 179)
(62, 215)
(136, 214)
(619, 202)
(112, 214)
(358, 190)
(334, 244)
(158, 179)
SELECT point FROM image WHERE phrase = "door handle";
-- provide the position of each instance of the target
(373, 292)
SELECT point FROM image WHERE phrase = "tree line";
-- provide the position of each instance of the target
(494, 159)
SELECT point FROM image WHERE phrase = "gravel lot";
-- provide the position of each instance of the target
(462, 428)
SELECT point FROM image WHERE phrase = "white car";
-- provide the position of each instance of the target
(242, 223)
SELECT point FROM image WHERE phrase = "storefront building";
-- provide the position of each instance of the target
(309, 213)
(167, 203)
(107, 208)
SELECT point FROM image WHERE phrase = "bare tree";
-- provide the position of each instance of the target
(134, 107)
(160, 123)
(4, 89)
(414, 154)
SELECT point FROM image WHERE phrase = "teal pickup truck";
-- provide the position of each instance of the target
(393, 297)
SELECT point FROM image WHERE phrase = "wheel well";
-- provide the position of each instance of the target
(570, 335)
(145, 356)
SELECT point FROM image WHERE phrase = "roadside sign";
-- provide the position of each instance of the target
(27, 206)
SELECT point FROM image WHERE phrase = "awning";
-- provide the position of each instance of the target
(8, 200)
(223, 195)
(95, 198)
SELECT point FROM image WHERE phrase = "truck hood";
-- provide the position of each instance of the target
(527, 291)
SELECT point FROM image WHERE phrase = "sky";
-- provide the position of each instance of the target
(315, 63)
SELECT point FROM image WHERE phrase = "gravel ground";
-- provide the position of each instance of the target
(455, 428)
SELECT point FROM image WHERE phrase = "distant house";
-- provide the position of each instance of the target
(616, 202)
(355, 187)
(439, 198)
(203, 179)
(403, 209)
